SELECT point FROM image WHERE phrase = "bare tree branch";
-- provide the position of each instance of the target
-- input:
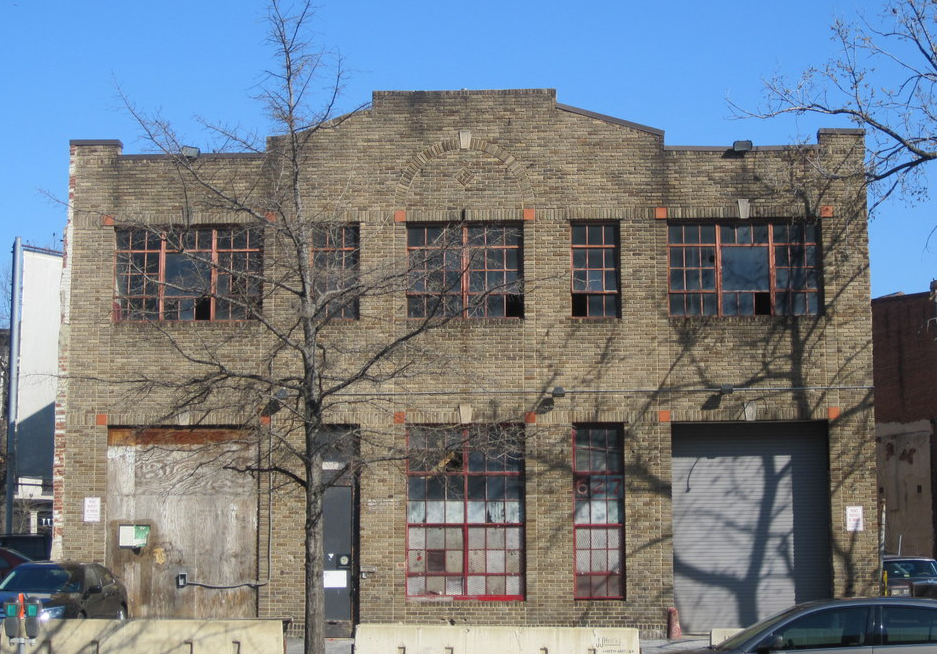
(883, 80)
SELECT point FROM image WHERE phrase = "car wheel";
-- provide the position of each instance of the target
(122, 613)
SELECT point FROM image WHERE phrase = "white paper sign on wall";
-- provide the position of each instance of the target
(854, 519)
(92, 509)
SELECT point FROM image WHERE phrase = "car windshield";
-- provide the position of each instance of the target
(42, 580)
(910, 568)
(765, 625)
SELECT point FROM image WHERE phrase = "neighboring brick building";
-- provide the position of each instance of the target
(904, 333)
(689, 360)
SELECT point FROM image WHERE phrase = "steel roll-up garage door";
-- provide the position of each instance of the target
(751, 520)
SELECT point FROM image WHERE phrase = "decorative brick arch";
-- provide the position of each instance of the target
(459, 142)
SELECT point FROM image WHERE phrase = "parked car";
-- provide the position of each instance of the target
(882, 623)
(914, 576)
(9, 559)
(36, 546)
(68, 589)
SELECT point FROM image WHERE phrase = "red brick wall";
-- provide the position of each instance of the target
(904, 336)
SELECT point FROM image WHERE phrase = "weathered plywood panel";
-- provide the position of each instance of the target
(203, 522)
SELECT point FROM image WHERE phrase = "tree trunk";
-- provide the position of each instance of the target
(314, 641)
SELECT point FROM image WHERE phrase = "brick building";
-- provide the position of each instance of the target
(903, 333)
(684, 375)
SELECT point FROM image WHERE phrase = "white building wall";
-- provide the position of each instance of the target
(38, 361)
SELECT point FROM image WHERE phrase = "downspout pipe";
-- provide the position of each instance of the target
(13, 381)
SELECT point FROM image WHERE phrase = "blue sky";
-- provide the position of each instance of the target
(670, 65)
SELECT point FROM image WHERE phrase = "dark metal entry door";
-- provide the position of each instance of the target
(340, 565)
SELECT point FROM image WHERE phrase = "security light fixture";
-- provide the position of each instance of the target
(726, 389)
(275, 403)
(190, 152)
(558, 391)
(742, 146)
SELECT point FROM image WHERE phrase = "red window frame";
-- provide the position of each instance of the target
(220, 266)
(335, 255)
(598, 511)
(698, 260)
(465, 512)
(467, 270)
(595, 262)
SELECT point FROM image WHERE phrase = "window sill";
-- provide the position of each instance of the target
(746, 319)
(429, 599)
(598, 320)
(181, 325)
(474, 321)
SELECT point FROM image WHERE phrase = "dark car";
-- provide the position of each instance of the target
(9, 559)
(68, 589)
(36, 546)
(873, 624)
(914, 576)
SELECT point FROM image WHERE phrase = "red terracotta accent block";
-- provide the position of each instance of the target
(270, 216)
(530, 418)
(826, 211)
(833, 412)
(400, 417)
(100, 419)
(528, 214)
(400, 216)
(663, 416)
(660, 213)
(107, 221)
(265, 421)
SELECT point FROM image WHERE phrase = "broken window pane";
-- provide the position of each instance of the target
(763, 269)
(187, 274)
(475, 474)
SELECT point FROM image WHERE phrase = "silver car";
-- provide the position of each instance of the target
(870, 625)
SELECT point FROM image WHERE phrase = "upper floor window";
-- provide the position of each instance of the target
(465, 512)
(194, 273)
(744, 269)
(335, 252)
(595, 261)
(468, 270)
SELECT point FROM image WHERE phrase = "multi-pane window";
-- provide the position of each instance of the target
(468, 270)
(465, 512)
(744, 269)
(595, 262)
(196, 273)
(335, 252)
(598, 513)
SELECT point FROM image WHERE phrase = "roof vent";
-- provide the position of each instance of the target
(742, 146)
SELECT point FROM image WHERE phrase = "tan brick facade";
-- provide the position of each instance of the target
(509, 156)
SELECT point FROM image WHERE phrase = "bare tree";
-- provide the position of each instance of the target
(883, 79)
(292, 268)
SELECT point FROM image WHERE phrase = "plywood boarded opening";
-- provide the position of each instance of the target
(188, 486)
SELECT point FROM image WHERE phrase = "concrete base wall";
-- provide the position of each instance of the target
(188, 636)
(716, 636)
(426, 639)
